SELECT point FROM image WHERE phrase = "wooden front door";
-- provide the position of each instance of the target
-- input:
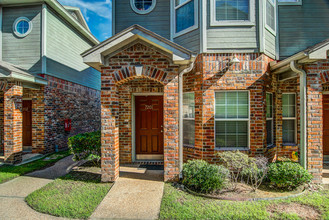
(326, 124)
(27, 125)
(149, 125)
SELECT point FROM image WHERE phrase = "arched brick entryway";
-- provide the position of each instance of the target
(156, 68)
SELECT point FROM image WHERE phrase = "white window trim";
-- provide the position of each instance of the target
(196, 18)
(271, 119)
(133, 7)
(299, 2)
(28, 31)
(291, 118)
(233, 119)
(250, 22)
(189, 119)
(275, 15)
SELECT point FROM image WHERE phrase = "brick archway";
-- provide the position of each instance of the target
(128, 73)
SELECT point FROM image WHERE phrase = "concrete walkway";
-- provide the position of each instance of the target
(136, 195)
(13, 193)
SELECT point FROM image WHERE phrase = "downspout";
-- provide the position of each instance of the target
(180, 107)
(303, 111)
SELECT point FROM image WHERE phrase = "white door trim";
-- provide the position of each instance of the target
(133, 116)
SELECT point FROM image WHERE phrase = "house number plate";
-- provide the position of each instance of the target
(148, 107)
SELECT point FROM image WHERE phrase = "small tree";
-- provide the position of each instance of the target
(256, 171)
(235, 162)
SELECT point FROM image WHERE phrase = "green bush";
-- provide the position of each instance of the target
(201, 176)
(86, 146)
(287, 175)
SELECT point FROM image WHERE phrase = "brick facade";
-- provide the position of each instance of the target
(119, 82)
(67, 100)
(51, 105)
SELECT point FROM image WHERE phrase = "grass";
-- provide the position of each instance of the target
(177, 204)
(75, 195)
(8, 172)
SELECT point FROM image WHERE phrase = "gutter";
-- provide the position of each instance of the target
(303, 111)
(180, 107)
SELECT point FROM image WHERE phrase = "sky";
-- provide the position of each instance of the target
(98, 14)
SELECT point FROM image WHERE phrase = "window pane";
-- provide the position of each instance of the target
(188, 105)
(232, 105)
(232, 10)
(185, 17)
(269, 105)
(143, 5)
(179, 2)
(188, 132)
(288, 105)
(288, 131)
(269, 131)
(270, 15)
(231, 134)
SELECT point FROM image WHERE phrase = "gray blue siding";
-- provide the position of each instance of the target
(64, 46)
(157, 21)
(269, 44)
(25, 52)
(232, 38)
(302, 26)
(190, 40)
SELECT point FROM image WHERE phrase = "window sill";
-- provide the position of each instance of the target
(186, 31)
(268, 28)
(231, 148)
(231, 23)
(271, 146)
(290, 145)
(188, 146)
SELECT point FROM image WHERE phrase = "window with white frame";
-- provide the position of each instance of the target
(290, 2)
(188, 119)
(232, 119)
(22, 27)
(142, 6)
(269, 118)
(289, 118)
(232, 12)
(186, 16)
(271, 15)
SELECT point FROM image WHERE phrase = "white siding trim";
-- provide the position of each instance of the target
(44, 38)
(203, 26)
(261, 27)
(250, 22)
(0, 33)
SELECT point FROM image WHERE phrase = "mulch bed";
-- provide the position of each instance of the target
(244, 192)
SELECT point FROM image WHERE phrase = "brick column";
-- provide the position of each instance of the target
(38, 121)
(13, 122)
(110, 128)
(314, 127)
(1, 122)
(171, 121)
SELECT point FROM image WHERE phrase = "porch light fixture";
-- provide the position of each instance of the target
(234, 60)
(139, 69)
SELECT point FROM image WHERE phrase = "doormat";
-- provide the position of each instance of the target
(152, 167)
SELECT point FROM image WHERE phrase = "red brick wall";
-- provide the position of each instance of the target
(13, 122)
(1, 123)
(315, 79)
(67, 100)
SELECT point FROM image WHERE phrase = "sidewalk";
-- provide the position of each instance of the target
(13, 193)
(136, 195)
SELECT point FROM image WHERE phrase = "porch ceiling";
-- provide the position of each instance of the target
(9, 71)
(95, 56)
(310, 55)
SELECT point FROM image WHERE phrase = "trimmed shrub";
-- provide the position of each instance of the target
(201, 176)
(287, 175)
(86, 146)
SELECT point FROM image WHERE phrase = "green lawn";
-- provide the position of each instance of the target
(177, 204)
(8, 172)
(75, 195)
